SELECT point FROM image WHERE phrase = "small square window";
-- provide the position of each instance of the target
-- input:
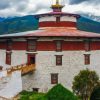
(32, 45)
(58, 59)
(87, 45)
(57, 19)
(58, 45)
(54, 78)
(9, 45)
(8, 58)
(87, 59)
(35, 89)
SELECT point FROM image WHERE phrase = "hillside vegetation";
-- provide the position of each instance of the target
(28, 23)
(58, 92)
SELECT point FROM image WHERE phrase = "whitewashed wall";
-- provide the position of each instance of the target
(68, 18)
(13, 86)
(3, 59)
(53, 18)
(18, 57)
(47, 18)
(73, 62)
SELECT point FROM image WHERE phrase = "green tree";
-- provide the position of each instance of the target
(96, 93)
(84, 83)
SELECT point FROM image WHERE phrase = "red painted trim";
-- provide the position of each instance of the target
(46, 46)
(2, 45)
(73, 45)
(95, 45)
(19, 45)
(57, 24)
(51, 45)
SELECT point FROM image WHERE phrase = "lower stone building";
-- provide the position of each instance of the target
(57, 51)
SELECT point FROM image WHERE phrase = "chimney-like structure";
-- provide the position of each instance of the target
(57, 7)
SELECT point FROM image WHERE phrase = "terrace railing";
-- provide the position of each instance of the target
(23, 68)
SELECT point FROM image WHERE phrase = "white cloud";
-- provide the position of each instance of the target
(83, 8)
(27, 7)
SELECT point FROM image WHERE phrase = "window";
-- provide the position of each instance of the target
(58, 59)
(54, 78)
(31, 59)
(35, 89)
(58, 45)
(31, 45)
(1, 68)
(57, 19)
(9, 45)
(8, 58)
(87, 59)
(87, 45)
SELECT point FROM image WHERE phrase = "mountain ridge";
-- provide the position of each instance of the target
(29, 22)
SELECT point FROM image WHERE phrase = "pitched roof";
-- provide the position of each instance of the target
(54, 31)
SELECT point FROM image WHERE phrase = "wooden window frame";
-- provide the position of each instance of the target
(54, 78)
(9, 45)
(58, 62)
(87, 45)
(31, 47)
(29, 57)
(58, 19)
(8, 58)
(87, 59)
(59, 42)
(35, 89)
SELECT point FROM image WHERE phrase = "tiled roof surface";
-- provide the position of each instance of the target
(54, 31)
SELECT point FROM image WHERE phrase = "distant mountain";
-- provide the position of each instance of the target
(93, 17)
(18, 24)
(2, 19)
(89, 25)
(28, 23)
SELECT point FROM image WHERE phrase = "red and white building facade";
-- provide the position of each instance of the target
(57, 49)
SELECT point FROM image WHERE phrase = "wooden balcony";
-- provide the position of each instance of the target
(25, 69)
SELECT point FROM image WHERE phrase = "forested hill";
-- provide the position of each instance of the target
(18, 24)
(27, 23)
(89, 25)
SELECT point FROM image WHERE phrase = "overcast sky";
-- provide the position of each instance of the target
(9, 8)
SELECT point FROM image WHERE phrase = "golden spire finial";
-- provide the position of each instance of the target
(57, 7)
(57, 2)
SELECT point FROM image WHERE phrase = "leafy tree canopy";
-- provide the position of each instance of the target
(84, 83)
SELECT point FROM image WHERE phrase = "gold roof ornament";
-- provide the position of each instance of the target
(57, 4)
(57, 7)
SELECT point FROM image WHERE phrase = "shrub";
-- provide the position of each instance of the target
(58, 92)
(26, 95)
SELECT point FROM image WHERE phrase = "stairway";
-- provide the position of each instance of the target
(11, 85)
(23, 68)
(4, 81)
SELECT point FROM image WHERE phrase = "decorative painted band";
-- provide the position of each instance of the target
(57, 24)
(51, 46)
